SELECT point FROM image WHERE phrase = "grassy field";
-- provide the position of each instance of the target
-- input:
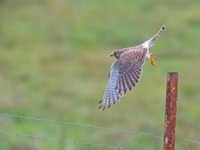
(54, 61)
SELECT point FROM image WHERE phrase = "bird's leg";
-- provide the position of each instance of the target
(152, 58)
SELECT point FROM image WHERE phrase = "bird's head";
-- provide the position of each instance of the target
(116, 53)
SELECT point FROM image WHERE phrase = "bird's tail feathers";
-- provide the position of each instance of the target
(149, 43)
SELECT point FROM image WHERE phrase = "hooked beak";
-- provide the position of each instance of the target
(111, 55)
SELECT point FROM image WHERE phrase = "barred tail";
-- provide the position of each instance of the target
(155, 37)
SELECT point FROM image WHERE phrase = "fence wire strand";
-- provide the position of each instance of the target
(18, 132)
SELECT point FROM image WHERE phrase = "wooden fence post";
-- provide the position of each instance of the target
(170, 110)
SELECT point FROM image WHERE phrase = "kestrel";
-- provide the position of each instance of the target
(125, 72)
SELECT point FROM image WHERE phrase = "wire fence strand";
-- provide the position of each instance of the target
(18, 132)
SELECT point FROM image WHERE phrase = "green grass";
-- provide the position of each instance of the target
(54, 61)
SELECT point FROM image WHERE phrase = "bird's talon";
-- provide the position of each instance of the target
(152, 62)
(152, 58)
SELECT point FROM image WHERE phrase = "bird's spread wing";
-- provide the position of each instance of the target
(123, 75)
(130, 67)
(111, 94)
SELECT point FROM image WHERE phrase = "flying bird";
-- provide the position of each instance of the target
(125, 72)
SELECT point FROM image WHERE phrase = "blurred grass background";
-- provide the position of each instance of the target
(54, 61)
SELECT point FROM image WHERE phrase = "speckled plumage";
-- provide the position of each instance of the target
(125, 72)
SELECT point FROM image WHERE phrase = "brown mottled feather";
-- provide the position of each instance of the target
(130, 68)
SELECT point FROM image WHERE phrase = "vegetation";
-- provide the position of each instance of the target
(54, 61)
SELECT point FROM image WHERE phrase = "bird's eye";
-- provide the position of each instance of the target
(116, 55)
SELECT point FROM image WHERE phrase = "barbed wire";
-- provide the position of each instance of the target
(18, 132)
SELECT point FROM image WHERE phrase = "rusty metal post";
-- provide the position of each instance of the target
(170, 110)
